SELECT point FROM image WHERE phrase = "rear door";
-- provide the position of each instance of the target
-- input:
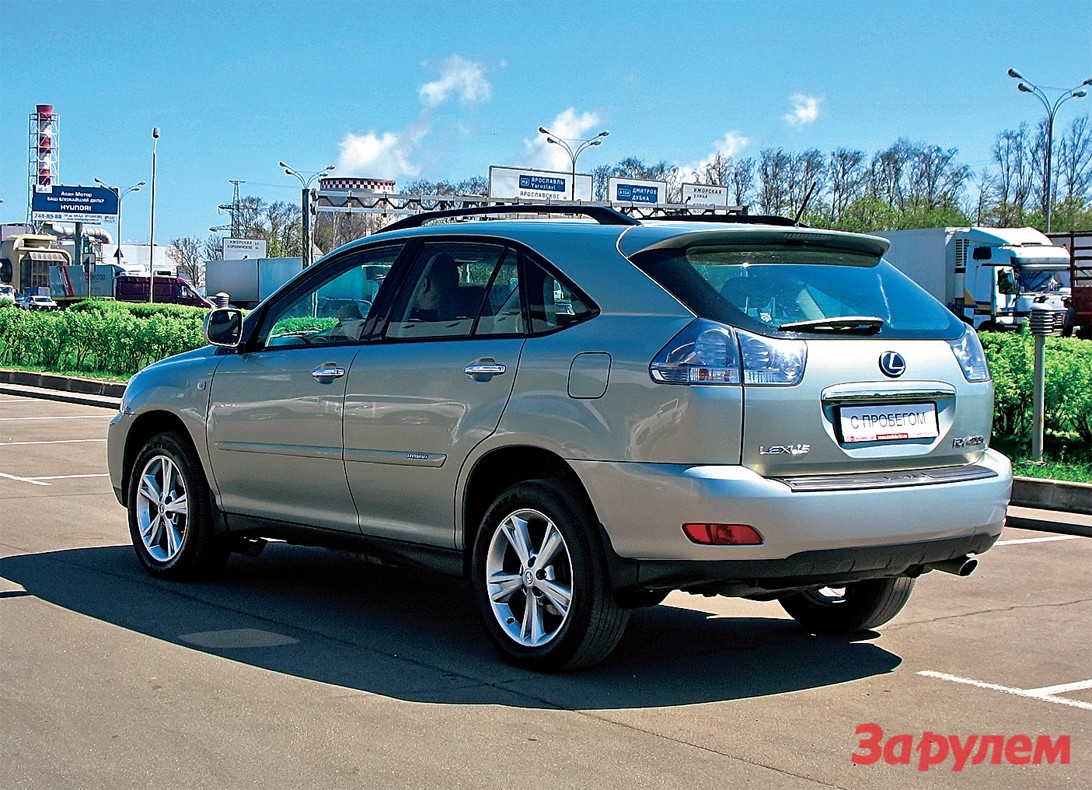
(846, 366)
(881, 388)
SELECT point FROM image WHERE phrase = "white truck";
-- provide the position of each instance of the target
(989, 277)
(248, 281)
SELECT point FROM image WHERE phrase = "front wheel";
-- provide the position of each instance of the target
(858, 606)
(170, 512)
(540, 580)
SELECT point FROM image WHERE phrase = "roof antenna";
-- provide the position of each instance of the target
(804, 205)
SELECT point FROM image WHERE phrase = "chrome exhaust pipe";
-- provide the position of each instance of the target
(959, 566)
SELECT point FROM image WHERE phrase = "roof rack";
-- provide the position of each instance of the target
(745, 219)
(601, 214)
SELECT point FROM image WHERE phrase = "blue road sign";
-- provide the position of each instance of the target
(635, 193)
(73, 204)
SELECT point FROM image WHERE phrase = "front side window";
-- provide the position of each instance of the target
(772, 288)
(335, 308)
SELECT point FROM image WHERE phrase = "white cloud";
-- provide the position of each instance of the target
(458, 77)
(391, 154)
(805, 110)
(569, 126)
(378, 156)
(731, 144)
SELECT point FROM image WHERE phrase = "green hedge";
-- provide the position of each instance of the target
(1067, 384)
(103, 337)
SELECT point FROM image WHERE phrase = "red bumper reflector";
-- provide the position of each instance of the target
(723, 534)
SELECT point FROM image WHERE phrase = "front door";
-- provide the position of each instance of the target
(275, 420)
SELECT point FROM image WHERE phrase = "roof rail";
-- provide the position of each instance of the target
(745, 219)
(601, 214)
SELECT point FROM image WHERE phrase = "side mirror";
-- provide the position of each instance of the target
(224, 327)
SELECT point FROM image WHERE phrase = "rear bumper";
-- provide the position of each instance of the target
(807, 569)
(643, 506)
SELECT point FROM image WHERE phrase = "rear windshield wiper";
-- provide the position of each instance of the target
(852, 324)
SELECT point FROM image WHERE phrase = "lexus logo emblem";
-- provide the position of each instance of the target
(892, 364)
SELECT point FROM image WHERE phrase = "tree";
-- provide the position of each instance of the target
(846, 176)
(1074, 160)
(214, 247)
(187, 254)
(774, 167)
(742, 181)
(717, 171)
(282, 227)
(1012, 186)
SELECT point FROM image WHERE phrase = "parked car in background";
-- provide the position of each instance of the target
(7, 293)
(580, 416)
(36, 303)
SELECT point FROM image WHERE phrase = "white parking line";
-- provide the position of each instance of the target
(51, 441)
(1046, 694)
(1036, 540)
(1080, 685)
(23, 479)
(40, 481)
(68, 477)
(70, 417)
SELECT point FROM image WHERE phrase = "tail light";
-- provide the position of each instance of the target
(710, 353)
(968, 352)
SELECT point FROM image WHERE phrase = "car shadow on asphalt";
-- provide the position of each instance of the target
(413, 635)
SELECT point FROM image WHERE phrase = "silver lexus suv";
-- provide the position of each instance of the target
(582, 414)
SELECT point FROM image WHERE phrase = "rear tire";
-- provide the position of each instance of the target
(858, 606)
(540, 580)
(170, 512)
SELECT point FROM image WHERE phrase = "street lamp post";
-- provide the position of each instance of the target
(1076, 92)
(151, 234)
(306, 179)
(574, 153)
(121, 193)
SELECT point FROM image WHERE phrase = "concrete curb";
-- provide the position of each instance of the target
(49, 381)
(1052, 495)
(98, 401)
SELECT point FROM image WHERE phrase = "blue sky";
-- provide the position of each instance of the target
(442, 90)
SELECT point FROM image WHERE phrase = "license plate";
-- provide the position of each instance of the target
(888, 423)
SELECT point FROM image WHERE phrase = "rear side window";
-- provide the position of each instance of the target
(554, 303)
(777, 289)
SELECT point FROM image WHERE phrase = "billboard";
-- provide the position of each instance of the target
(705, 195)
(241, 249)
(631, 190)
(508, 183)
(93, 205)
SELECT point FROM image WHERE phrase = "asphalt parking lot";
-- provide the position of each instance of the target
(310, 668)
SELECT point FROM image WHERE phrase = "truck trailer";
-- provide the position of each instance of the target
(1079, 245)
(247, 281)
(989, 277)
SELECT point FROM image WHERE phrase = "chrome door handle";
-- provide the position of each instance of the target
(484, 369)
(327, 374)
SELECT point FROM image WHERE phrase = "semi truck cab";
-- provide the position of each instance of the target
(1016, 270)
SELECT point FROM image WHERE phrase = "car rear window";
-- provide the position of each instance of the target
(780, 289)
